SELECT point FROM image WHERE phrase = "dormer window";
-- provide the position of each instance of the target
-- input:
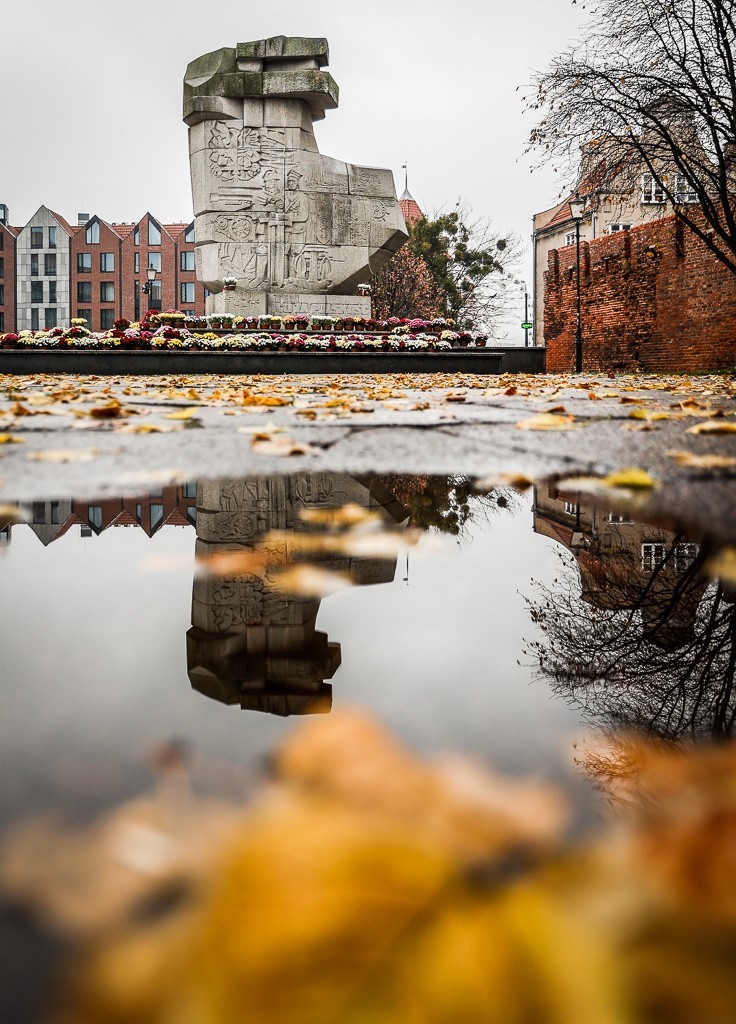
(93, 233)
(154, 233)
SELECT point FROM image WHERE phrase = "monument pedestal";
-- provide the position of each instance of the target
(245, 302)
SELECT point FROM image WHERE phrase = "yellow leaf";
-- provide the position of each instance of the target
(346, 515)
(146, 428)
(107, 411)
(182, 414)
(723, 565)
(10, 439)
(713, 427)
(64, 455)
(632, 477)
(646, 414)
(547, 421)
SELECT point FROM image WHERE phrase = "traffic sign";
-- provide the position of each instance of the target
(526, 326)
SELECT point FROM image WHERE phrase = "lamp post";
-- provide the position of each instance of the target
(577, 205)
(525, 325)
(148, 286)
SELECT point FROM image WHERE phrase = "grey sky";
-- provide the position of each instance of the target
(92, 113)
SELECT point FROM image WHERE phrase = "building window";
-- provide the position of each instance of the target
(570, 238)
(34, 264)
(85, 314)
(157, 514)
(189, 236)
(189, 489)
(52, 238)
(93, 233)
(52, 291)
(36, 238)
(187, 292)
(652, 556)
(107, 319)
(84, 262)
(2, 321)
(137, 236)
(154, 298)
(187, 260)
(685, 555)
(2, 266)
(2, 294)
(34, 318)
(138, 511)
(107, 262)
(107, 291)
(84, 291)
(684, 192)
(154, 233)
(571, 508)
(49, 318)
(39, 513)
(49, 264)
(36, 291)
(94, 515)
(618, 226)
(154, 260)
(136, 263)
(651, 190)
(54, 513)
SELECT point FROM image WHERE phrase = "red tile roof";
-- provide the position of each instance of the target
(410, 209)
(63, 221)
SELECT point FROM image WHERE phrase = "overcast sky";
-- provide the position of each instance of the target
(91, 112)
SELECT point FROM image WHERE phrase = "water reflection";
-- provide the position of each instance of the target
(642, 639)
(249, 643)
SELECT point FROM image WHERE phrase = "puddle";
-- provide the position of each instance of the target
(527, 629)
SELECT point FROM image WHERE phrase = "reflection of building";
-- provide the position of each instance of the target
(626, 565)
(250, 645)
(167, 506)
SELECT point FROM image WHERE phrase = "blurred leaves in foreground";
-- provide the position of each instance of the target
(365, 885)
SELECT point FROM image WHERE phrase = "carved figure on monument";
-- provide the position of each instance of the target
(269, 209)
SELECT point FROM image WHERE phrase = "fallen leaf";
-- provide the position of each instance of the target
(182, 414)
(10, 439)
(693, 461)
(244, 562)
(723, 565)
(713, 427)
(547, 421)
(280, 445)
(146, 428)
(107, 411)
(631, 477)
(269, 400)
(346, 515)
(647, 414)
(64, 455)
(11, 514)
(455, 397)
(555, 408)
(310, 581)
(519, 481)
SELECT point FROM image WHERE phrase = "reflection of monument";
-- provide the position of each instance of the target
(299, 231)
(249, 644)
(626, 565)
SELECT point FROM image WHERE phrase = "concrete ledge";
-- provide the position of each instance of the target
(522, 360)
(462, 360)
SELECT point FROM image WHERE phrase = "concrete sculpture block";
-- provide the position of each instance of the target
(298, 231)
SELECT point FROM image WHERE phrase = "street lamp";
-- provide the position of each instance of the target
(526, 326)
(148, 287)
(577, 205)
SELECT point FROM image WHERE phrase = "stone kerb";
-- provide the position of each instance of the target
(297, 230)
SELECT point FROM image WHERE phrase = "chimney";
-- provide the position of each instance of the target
(82, 218)
(3, 213)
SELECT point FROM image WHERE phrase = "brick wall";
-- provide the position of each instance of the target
(7, 279)
(652, 299)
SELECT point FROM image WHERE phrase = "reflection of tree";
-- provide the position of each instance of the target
(653, 651)
(445, 503)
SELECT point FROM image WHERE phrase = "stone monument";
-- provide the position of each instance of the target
(297, 230)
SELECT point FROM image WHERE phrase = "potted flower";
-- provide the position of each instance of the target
(289, 322)
(229, 284)
(302, 321)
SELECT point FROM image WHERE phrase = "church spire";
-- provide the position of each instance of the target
(409, 206)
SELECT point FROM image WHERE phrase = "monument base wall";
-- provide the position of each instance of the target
(243, 302)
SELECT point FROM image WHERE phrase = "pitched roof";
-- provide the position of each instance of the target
(410, 208)
(62, 220)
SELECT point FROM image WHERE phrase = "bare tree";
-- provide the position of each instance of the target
(652, 89)
(658, 658)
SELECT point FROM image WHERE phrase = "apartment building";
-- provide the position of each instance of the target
(52, 271)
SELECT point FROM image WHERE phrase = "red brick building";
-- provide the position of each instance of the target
(108, 272)
(653, 299)
(7, 272)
